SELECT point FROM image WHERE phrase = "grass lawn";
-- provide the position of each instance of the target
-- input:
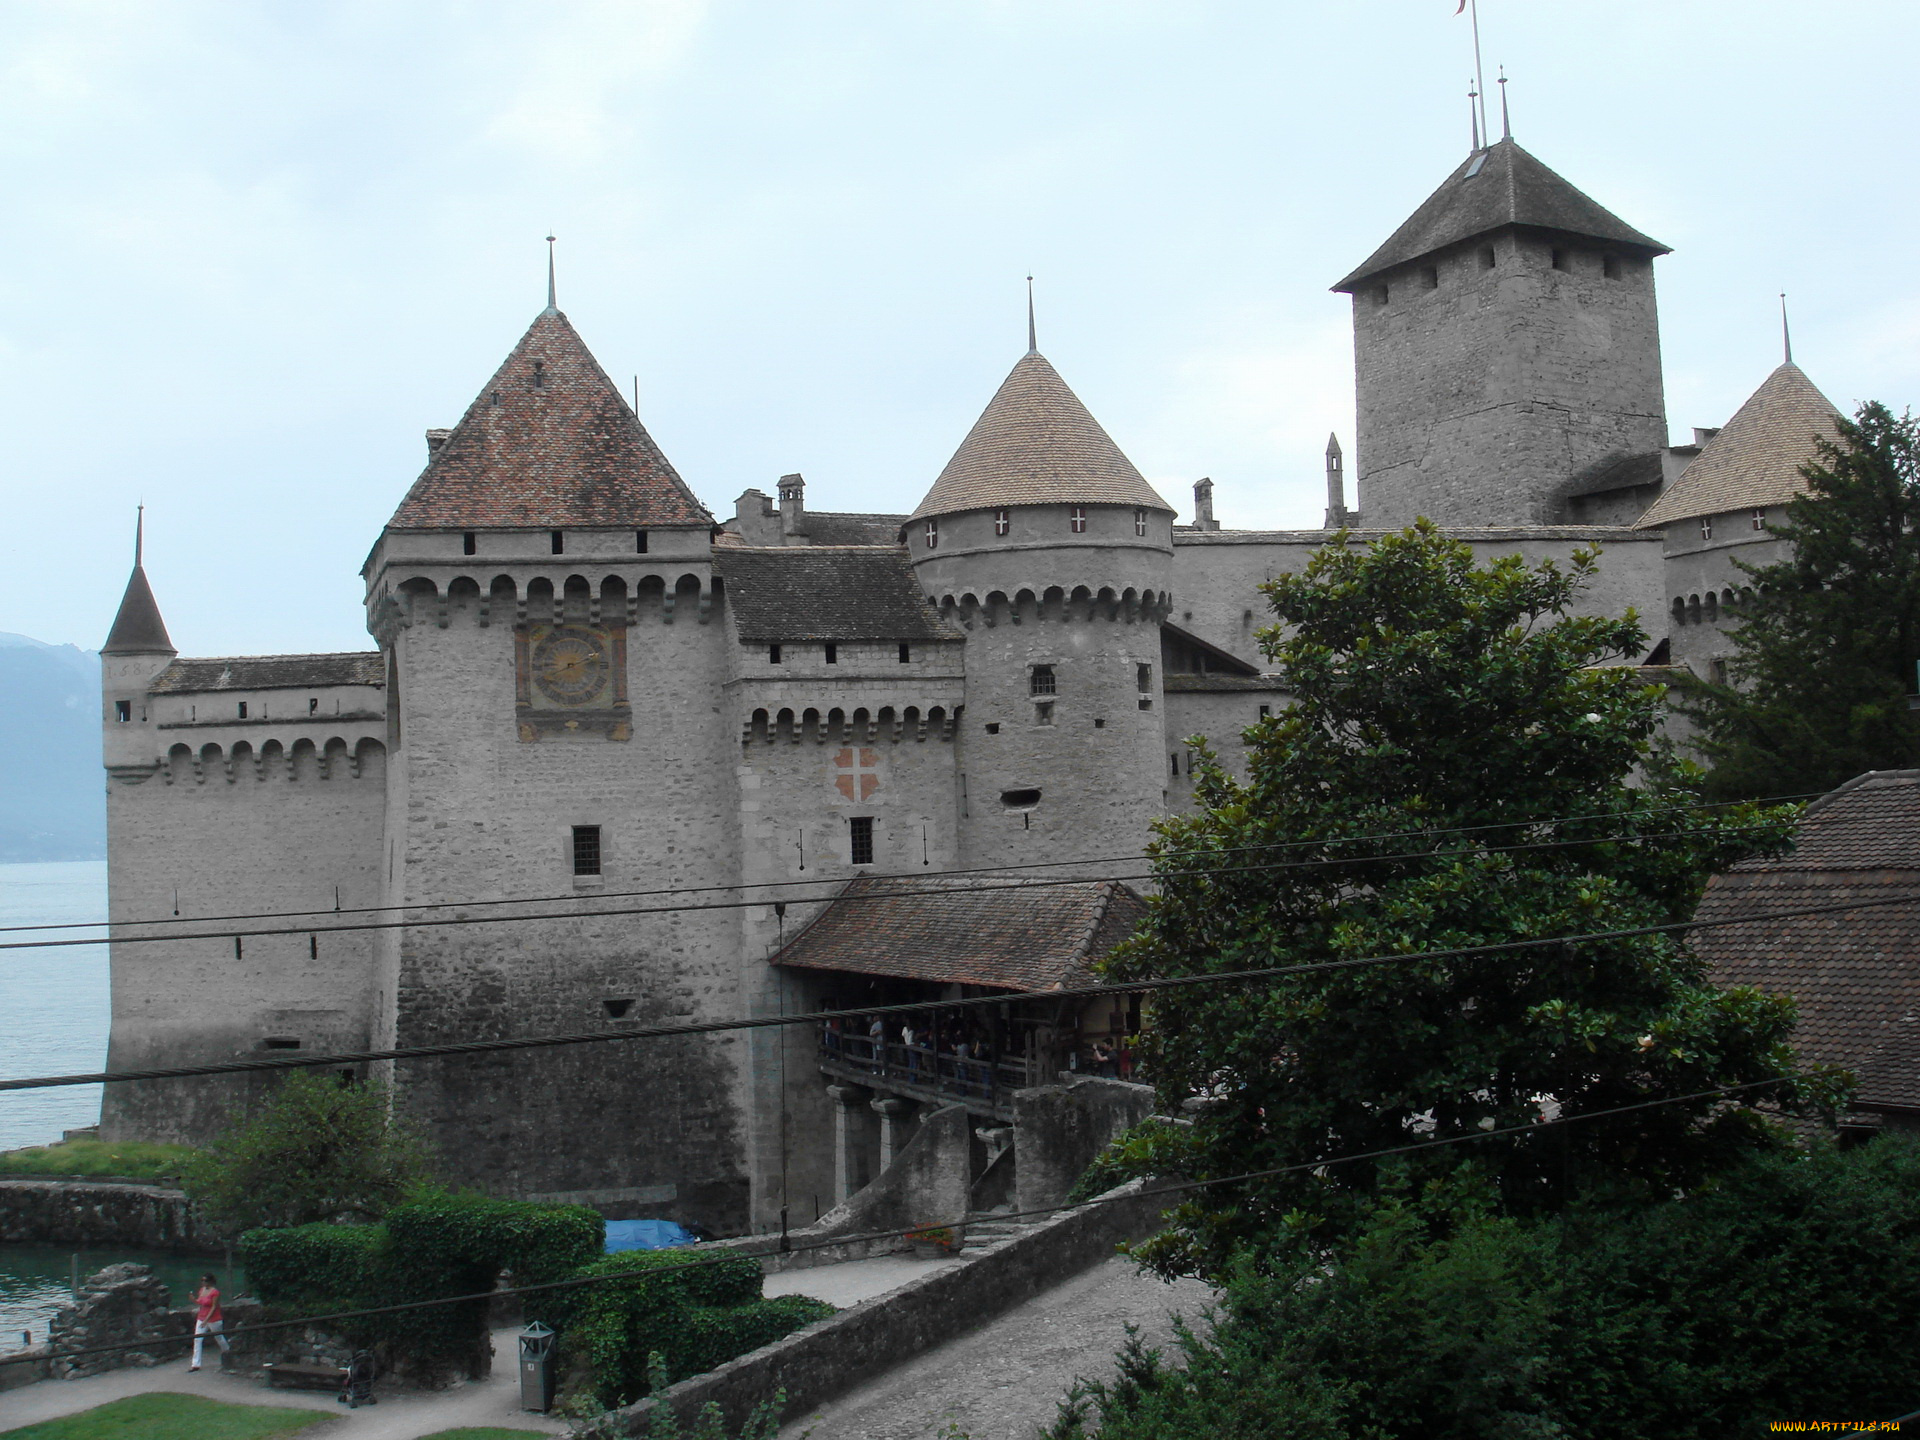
(171, 1417)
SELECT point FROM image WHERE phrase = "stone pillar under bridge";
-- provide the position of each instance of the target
(848, 1173)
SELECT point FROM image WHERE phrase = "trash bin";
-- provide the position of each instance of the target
(536, 1368)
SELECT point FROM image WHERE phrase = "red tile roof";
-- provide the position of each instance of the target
(1853, 973)
(550, 443)
(973, 932)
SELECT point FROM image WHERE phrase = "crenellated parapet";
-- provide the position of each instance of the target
(1055, 604)
(789, 725)
(587, 596)
(301, 761)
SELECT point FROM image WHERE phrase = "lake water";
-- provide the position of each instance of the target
(36, 1280)
(54, 1004)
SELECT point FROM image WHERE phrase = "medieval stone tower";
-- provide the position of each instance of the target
(1507, 356)
(1045, 544)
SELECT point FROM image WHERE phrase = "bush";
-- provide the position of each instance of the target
(1698, 1319)
(439, 1246)
(693, 1316)
(128, 1159)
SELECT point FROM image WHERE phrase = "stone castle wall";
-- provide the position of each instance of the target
(1483, 390)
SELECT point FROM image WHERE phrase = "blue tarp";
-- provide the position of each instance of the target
(645, 1235)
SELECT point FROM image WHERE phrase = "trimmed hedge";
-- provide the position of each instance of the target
(695, 1319)
(443, 1245)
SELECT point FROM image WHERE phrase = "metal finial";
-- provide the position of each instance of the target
(552, 303)
(1506, 120)
(1786, 335)
(1473, 114)
(139, 533)
(1033, 341)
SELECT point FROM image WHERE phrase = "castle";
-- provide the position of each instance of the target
(671, 759)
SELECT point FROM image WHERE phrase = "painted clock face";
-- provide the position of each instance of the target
(570, 665)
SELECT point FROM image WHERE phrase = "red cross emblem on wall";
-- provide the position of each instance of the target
(856, 772)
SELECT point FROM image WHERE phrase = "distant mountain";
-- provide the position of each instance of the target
(53, 793)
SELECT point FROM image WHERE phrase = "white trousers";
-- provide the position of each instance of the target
(202, 1329)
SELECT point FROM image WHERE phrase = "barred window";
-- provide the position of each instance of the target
(933, 533)
(1760, 518)
(1002, 521)
(1139, 522)
(1040, 680)
(586, 849)
(860, 839)
(1077, 519)
(1706, 527)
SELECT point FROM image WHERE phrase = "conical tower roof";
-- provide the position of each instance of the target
(1755, 460)
(137, 626)
(1492, 189)
(1036, 444)
(550, 443)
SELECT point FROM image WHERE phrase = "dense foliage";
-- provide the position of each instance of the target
(1829, 638)
(1462, 766)
(317, 1150)
(127, 1159)
(691, 1318)
(437, 1246)
(1783, 1291)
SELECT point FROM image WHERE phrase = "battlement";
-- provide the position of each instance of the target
(305, 760)
(592, 596)
(1057, 605)
(857, 727)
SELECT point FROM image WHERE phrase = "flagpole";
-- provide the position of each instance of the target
(1479, 74)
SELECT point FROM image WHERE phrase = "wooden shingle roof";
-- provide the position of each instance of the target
(1755, 460)
(550, 443)
(1036, 444)
(970, 932)
(1493, 189)
(826, 592)
(1852, 973)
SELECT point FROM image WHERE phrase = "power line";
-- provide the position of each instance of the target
(938, 874)
(781, 1246)
(911, 885)
(712, 1027)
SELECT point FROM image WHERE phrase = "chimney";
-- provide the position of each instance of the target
(436, 438)
(792, 506)
(1703, 433)
(1337, 514)
(1203, 505)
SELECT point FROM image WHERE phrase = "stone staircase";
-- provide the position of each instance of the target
(986, 1230)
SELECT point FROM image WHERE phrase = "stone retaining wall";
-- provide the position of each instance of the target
(830, 1356)
(93, 1214)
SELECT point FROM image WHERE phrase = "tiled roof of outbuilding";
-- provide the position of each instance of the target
(1036, 444)
(1890, 1077)
(1506, 186)
(271, 672)
(550, 443)
(970, 932)
(1851, 972)
(1755, 460)
(826, 592)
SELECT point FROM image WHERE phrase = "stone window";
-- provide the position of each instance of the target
(1706, 527)
(860, 839)
(906, 653)
(1043, 713)
(123, 710)
(1488, 259)
(1719, 672)
(1041, 681)
(1431, 277)
(933, 534)
(1380, 294)
(639, 542)
(617, 1009)
(468, 545)
(1173, 763)
(1143, 678)
(773, 654)
(280, 1042)
(313, 705)
(1077, 519)
(1760, 518)
(1019, 799)
(1558, 258)
(241, 710)
(1610, 267)
(1002, 521)
(586, 849)
(833, 653)
(558, 538)
(1139, 522)
(313, 947)
(993, 727)
(1266, 712)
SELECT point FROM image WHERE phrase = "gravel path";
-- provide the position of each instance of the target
(1005, 1380)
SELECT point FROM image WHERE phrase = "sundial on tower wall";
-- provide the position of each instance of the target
(571, 680)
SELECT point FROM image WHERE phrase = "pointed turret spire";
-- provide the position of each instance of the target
(553, 303)
(1786, 335)
(1506, 120)
(1033, 335)
(137, 626)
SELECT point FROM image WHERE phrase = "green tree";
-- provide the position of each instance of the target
(1828, 639)
(317, 1150)
(1459, 710)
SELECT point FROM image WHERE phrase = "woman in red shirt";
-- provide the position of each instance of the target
(207, 1319)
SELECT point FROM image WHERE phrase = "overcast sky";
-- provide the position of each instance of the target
(250, 252)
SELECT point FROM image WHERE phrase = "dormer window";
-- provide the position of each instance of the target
(933, 534)
(539, 372)
(1077, 519)
(1002, 522)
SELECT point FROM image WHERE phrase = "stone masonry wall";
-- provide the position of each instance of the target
(1480, 397)
(94, 1215)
